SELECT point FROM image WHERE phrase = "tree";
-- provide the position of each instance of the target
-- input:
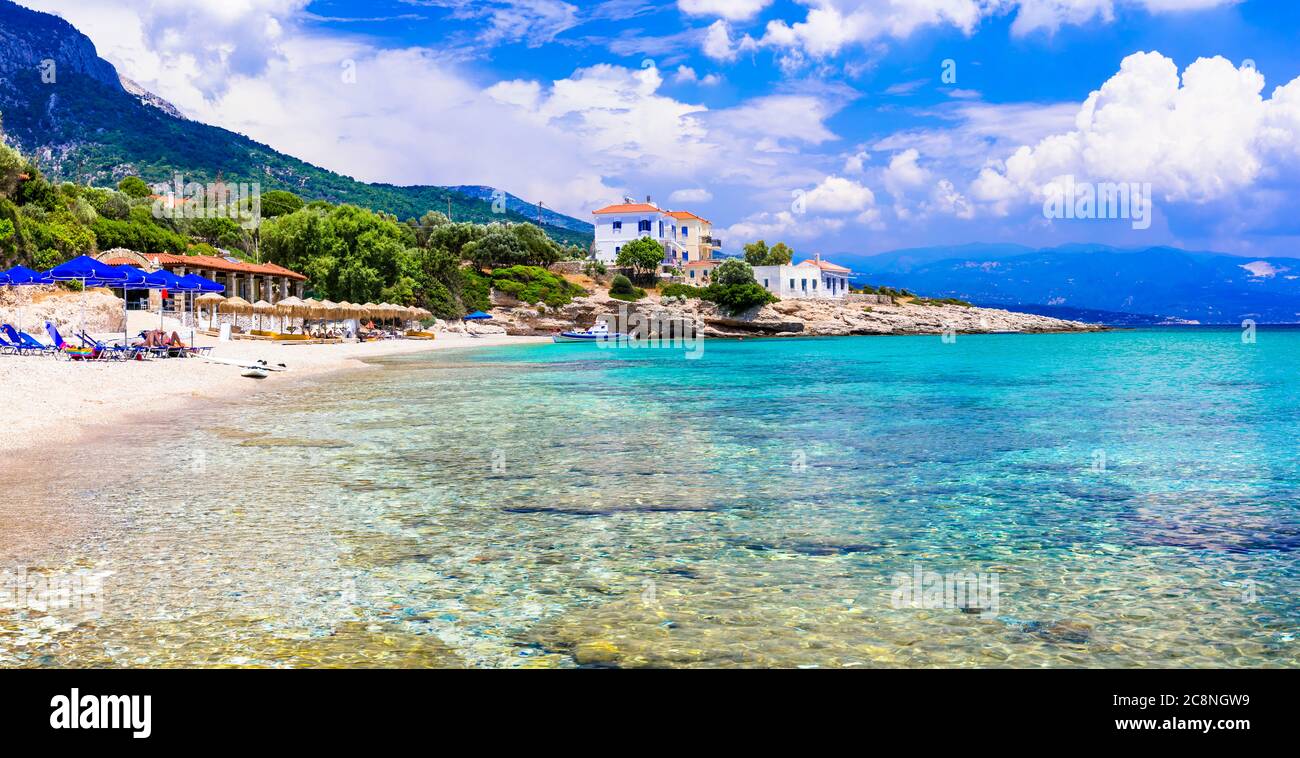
(500, 247)
(759, 254)
(278, 203)
(756, 253)
(643, 255)
(134, 186)
(733, 271)
(11, 168)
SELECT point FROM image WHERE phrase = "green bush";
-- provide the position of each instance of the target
(737, 298)
(942, 301)
(682, 290)
(733, 271)
(533, 284)
(476, 290)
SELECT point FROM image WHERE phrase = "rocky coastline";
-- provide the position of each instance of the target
(863, 315)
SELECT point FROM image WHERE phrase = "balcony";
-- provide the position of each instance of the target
(711, 241)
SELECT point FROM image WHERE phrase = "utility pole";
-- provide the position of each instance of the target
(449, 218)
(539, 212)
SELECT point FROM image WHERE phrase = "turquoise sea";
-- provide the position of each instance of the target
(1124, 499)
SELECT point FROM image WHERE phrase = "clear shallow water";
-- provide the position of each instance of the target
(1135, 494)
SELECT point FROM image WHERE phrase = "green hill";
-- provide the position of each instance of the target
(87, 128)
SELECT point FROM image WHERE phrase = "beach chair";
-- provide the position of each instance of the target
(26, 343)
(71, 352)
(113, 352)
(7, 347)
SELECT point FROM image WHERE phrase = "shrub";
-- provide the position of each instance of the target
(942, 301)
(737, 298)
(621, 286)
(533, 284)
(733, 271)
(476, 290)
(682, 290)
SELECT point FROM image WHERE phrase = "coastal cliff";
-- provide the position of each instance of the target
(787, 318)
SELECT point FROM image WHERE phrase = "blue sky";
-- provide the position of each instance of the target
(825, 123)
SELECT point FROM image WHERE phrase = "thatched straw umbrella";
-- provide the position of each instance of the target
(288, 308)
(235, 305)
(212, 300)
(262, 308)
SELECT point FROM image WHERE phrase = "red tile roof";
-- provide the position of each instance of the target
(688, 214)
(120, 262)
(168, 260)
(703, 263)
(627, 208)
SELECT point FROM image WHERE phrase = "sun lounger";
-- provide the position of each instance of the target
(115, 352)
(26, 343)
(72, 352)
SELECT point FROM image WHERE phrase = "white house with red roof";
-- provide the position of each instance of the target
(813, 278)
(685, 237)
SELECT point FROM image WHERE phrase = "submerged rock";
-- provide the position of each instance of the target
(1060, 632)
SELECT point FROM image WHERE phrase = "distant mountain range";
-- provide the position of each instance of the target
(91, 125)
(1164, 283)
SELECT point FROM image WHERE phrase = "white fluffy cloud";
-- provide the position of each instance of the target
(904, 174)
(1197, 139)
(696, 195)
(733, 10)
(830, 26)
(835, 195)
(717, 42)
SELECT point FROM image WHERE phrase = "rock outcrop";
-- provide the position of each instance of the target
(36, 305)
(787, 318)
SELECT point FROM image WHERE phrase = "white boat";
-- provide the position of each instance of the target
(256, 373)
(598, 333)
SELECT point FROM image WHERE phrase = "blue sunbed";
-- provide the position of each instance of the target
(26, 343)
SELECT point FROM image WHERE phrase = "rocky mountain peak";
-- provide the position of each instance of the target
(28, 38)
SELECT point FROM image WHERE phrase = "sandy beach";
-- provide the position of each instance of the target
(60, 401)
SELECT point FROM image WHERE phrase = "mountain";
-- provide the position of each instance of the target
(90, 125)
(525, 208)
(1158, 281)
(905, 260)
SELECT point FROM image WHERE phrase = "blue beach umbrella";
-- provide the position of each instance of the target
(132, 278)
(477, 316)
(21, 276)
(164, 280)
(82, 269)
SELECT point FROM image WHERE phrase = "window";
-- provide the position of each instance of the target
(791, 284)
(618, 227)
(686, 256)
(803, 284)
(616, 250)
(692, 273)
(765, 284)
(661, 230)
(643, 226)
(685, 232)
(814, 285)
